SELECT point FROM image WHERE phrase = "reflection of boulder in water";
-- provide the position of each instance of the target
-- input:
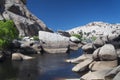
(28, 70)
(8, 71)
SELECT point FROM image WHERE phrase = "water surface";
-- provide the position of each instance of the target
(43, 67)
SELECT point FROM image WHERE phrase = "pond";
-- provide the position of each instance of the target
(43, 67)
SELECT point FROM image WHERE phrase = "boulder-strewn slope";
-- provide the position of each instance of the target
(97, 29)
(101, 58)
(25, 21)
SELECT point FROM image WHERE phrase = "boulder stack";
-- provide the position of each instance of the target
(104, 61)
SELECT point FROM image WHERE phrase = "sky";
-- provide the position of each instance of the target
(68, 14)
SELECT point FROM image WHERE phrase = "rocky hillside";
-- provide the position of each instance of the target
(100, 59)
(97, 29)
(26, 23)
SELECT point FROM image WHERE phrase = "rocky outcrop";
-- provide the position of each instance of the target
(112, 73)
(54, 43)
(99, 42)
(74, 46)
(82, 65)
(63, 33)
(25, 21)
(80, 58)
(88, 48)
(26, 47)
(96, 29)
(107, 52)
(104, 63)
(98, 75)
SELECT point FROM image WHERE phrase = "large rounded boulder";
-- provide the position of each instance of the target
(99, 42)
(89, 48)
(112, 37)
(53, 42)
(74, 39)
(107, 52)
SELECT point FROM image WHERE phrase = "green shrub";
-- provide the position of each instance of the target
(93, 38)
(36, 38)
(77, 36)
(7, 33)
(83, 38)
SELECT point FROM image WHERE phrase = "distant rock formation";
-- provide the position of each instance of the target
(97, 29)
(26, 23)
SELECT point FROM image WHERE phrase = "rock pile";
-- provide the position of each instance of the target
(19, 49)
(100, 59)
(47, 43)
(57, 43)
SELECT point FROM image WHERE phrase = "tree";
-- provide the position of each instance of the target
(7, 33)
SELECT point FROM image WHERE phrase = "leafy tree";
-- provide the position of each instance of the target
(7, 33)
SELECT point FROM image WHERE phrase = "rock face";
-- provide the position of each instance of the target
(25, 21)
(63, 33)
(96, 29)
(53, 43)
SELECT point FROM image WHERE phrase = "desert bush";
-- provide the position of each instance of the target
(36, 38)
(93, 38)
(7, 33)
(77, 36)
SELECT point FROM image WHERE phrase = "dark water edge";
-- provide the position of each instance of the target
(43, 67)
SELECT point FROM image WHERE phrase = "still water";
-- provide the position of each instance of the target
(43, 67)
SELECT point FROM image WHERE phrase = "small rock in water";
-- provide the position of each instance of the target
(19, 57)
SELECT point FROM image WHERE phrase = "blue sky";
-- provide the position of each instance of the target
(67, 14)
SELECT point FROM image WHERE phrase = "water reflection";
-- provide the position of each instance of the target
(8, 71)
(43, 67)
(28, 70)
